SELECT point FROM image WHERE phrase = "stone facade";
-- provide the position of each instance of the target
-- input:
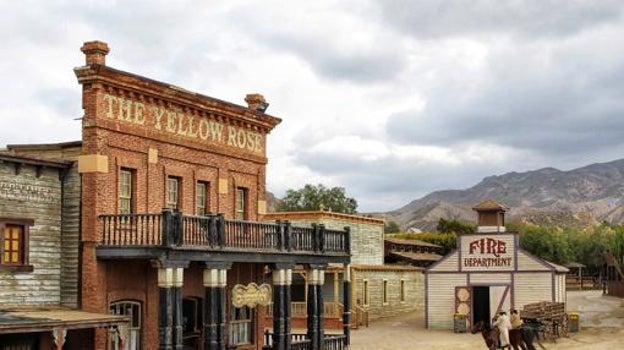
(404, 289)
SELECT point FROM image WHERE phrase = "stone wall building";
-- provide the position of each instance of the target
(378, 289)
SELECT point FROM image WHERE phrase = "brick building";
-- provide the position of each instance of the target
(172, 188)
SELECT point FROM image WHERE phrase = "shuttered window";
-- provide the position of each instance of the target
(14, 244)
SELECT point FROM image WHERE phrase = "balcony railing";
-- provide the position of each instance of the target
(301, 341)
(172, 228)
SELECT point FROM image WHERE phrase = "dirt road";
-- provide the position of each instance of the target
(601, 327)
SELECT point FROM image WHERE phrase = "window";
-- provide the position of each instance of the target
(126, 198)
(385, 292)
(402, 291)
(241, 325)
(201, 198)
(14, 242)
(241, 203)
(365, 293)
(173, 192)
(132, 309)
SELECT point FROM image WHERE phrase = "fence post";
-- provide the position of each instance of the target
(315, 232)
(347, 239)
(288, 235)
(220, 230)
(178, 229)
(280, 242)
(212, 230)
(321, 238)
(167, 223)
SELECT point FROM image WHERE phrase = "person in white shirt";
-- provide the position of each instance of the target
(504, 325)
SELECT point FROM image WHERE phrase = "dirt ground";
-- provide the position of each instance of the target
(601, 327)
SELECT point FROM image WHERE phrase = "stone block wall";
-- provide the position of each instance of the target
(414, 289)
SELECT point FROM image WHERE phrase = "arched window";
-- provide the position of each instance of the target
(133, 310)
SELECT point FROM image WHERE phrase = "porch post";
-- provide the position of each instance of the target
(315, 306)
(170, 281)
(165, 309)
(176, 295)
(215, 282)
(282, 280)
(346, 301)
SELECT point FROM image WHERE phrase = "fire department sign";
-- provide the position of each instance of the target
(487, 252)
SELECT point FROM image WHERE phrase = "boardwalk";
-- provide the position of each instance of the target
(602, 327)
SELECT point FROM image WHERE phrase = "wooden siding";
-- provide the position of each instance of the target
(532, 287)
(527, 262)
(42, 285)
(70, 230)
(490, 278)
(441, 299)
(448, 263)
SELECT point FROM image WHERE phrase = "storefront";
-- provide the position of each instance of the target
(488, 273)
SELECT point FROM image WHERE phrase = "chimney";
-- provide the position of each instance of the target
(95, 52)
(256, 102)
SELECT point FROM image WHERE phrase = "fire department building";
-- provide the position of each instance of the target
(171, 195)
(488, 273)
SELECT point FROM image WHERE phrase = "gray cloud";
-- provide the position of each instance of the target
(572, 103)
(434, 19)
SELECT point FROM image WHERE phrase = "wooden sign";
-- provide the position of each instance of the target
(251, 295)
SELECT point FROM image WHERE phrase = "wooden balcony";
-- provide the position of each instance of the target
(207, 237)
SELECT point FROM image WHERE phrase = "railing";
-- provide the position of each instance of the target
(301, 342)
(298, 309)
(171, 228)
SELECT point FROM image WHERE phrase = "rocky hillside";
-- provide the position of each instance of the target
(582, 196)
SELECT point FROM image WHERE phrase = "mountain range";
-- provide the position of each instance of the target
(578, 197)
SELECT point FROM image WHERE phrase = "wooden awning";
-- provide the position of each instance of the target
(43, 320)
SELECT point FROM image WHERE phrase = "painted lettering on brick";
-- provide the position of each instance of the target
(176, 122)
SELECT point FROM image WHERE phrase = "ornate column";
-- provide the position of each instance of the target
(170, 282)
(316, 279)
(282, 280)
(215, 282)
(346, 301)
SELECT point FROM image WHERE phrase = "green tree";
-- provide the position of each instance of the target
(391, 227)
(454, 226)
(318, 197)
(447, 240)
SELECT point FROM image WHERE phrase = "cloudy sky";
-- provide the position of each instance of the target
(389, 99)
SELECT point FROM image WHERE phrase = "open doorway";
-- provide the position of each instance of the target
(481, 304)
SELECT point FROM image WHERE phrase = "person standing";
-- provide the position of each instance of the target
(504, 325)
